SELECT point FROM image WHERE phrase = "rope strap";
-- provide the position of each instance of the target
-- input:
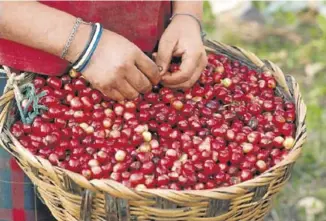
(24, 92)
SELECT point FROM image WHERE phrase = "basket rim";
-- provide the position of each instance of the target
(289, 159)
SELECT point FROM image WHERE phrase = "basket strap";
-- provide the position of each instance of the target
(86, 206)
(117, 209)
(6, 99)
(18, 87)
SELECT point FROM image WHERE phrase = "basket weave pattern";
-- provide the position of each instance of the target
(71, 197)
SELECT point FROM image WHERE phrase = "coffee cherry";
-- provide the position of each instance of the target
(220, 177)
(278, 141)
(177, 104)
(97, 172)
(74, 165)
(54, 82)
(76, 103)
(287, 129)
(261, 165)
(245, 175)
(136, 178)
(226, 128)
(224, 156)
(288, 142)
(147, 136)
(17, 129)
(247, 147)
(254, 137)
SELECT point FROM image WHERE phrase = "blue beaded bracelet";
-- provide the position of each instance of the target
(90, 48)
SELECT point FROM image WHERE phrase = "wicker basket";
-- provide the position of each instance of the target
(71, 197)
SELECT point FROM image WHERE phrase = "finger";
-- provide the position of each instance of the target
(186, 84)
(164, 54)
(126, 89)
(139, 81)
(202, 64)
(149, 68)
(114, 94)
(154, 55)
(188, 66)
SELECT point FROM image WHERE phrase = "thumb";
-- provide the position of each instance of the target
(164, 54)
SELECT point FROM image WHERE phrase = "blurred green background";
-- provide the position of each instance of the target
(292, 34)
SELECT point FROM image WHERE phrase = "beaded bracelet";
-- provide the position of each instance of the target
(202, 33)
(91, 46)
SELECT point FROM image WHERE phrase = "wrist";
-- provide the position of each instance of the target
(78, 44)
(86, 55)
(186, 18)
(194, 8)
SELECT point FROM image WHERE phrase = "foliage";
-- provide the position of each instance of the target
(305, 60)
(208, 18)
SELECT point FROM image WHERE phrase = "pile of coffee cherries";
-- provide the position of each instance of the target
(228, 128)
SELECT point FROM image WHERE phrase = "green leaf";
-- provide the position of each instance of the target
(321, 21)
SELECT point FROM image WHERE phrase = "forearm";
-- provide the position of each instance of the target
(38, 26)
(192, 7)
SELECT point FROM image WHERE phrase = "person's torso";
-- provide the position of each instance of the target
(142, 22)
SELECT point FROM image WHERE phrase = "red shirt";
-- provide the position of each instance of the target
(142, 22)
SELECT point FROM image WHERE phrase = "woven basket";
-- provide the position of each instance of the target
(71, 197)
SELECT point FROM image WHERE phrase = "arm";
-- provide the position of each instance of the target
(182, 39)
(118, 68)
(39, 26)
(192, 7)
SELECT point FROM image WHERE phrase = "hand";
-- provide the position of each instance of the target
(119, 69)
(182, 39)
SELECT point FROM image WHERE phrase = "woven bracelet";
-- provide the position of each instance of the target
(202, 33)
(91, 46)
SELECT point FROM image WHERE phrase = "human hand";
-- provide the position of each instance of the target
(181, 39)
(119, 69)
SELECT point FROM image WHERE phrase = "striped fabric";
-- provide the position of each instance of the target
(18, 201)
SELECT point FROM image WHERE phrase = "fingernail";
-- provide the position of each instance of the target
(160, 69)
(154, 57)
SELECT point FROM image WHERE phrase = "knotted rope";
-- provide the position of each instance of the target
(25, 95)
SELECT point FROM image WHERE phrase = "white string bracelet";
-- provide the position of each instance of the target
(90, 48)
